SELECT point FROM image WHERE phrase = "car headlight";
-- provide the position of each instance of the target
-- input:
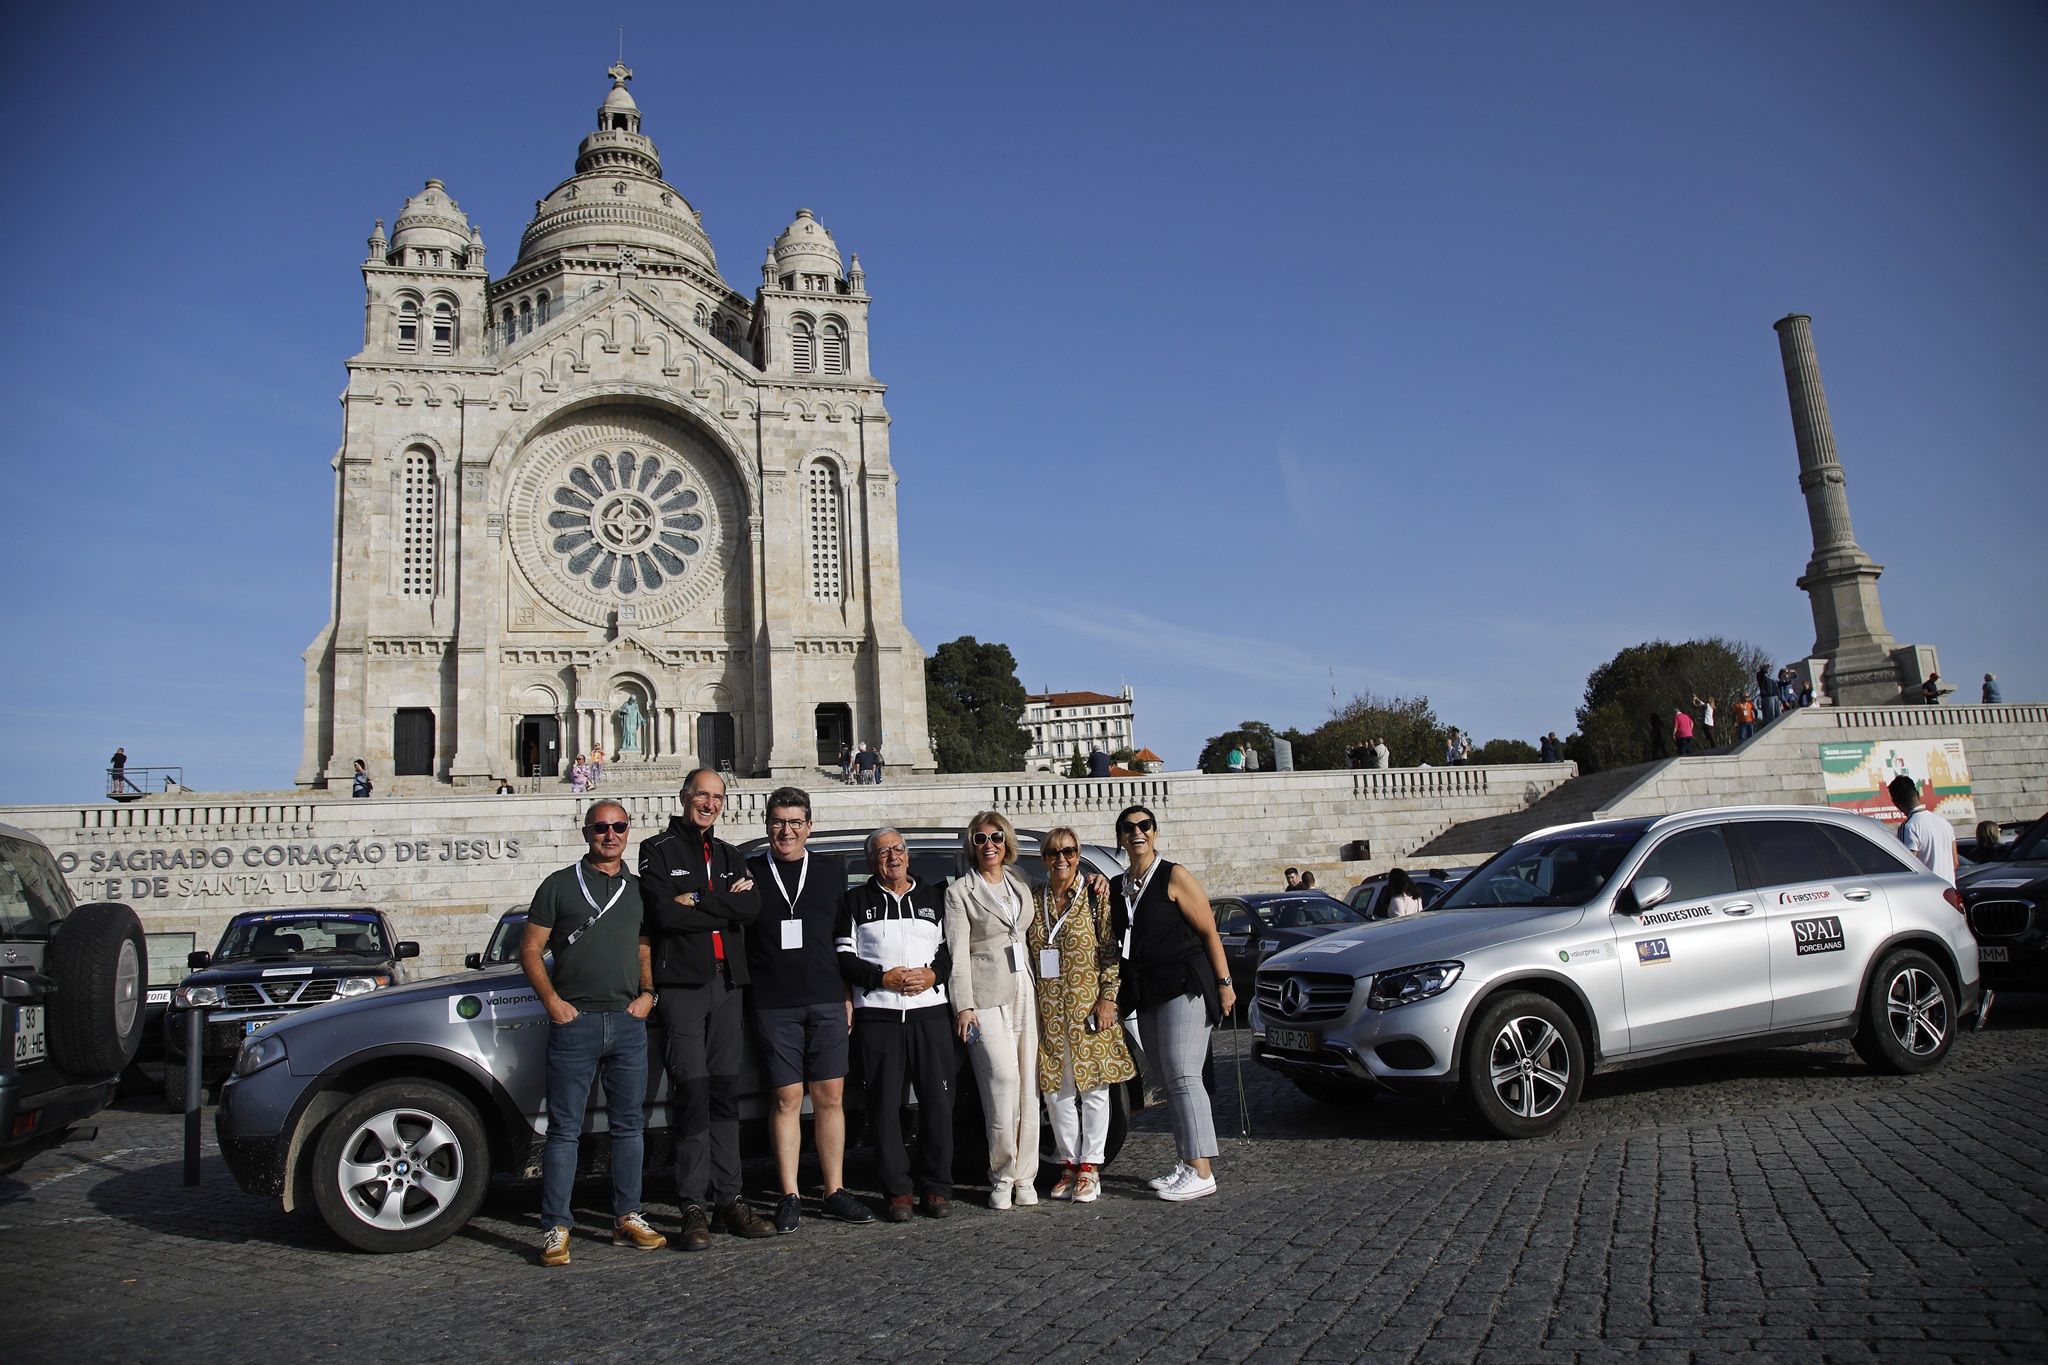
(261, 1049)
(191, 996)
(1406, 985)
(360, 985)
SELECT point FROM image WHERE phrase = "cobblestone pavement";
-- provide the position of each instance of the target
(1783, 1205)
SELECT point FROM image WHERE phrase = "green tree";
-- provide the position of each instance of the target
(1126, 757)
(1077, 766)
(1632, 697)
(1250, 735)
(1505, 751)
(974, 702)
(1409, 725)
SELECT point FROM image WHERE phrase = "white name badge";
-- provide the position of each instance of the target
(1016, 956)
(1049, 963)
(792, 933)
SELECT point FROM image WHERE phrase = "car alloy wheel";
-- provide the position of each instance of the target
(1916, 1007)
(1531, 1069)
(401, 1166)
(1907, 1021)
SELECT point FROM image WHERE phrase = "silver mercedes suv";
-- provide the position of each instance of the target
(1621, 942)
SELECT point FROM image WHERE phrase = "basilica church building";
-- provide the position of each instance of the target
(607, 500)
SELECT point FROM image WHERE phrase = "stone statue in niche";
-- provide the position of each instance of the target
(630, 719)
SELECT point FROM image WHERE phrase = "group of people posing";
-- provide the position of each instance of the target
(890, 975)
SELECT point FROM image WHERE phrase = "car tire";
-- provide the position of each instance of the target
(1908, 1020)
(1330, 1092)
(401, 1167)
(1524, 1065)
(101, 966)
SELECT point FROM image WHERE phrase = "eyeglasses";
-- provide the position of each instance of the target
(1135, 827)
(719, 797)
(892, 851)
(1062, 853)
(986, 836)
(614, 826)
(797, 823)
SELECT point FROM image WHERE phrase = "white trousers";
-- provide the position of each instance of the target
(1006, 1066)
(1080, 1122)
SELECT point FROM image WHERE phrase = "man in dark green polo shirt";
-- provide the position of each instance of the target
(597, 998)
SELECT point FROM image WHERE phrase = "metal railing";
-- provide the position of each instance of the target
(132, 784)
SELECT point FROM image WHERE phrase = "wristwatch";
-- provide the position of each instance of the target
(1226, 981)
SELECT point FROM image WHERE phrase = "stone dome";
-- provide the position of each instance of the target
(617, 197)
(431, 219)
(805, 247)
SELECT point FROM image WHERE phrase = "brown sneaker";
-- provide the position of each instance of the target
(899, 1209)
(696, 1233)
(554, 1248)
(937, 1206)
(741, 1220)
(632, 1231)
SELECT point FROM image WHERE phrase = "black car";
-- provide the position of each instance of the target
(1255, 927)
(72, 979)
(503, 947)
(1369, 896)
(2007, 904)
(271, 963)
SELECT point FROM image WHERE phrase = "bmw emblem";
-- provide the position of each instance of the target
(403, 1168)
(1291, 997)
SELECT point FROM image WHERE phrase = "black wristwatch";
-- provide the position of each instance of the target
(1226, 981)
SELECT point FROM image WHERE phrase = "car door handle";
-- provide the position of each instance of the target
(1737, 908)
(1855, 893)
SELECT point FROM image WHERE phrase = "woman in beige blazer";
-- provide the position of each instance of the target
(995, 1004)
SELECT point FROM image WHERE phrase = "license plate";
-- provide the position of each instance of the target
(162, 997)
(31, 1044)
(249, 1026)
(1999, 954)
(1294, 1040)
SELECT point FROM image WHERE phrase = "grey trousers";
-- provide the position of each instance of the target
(703, 1048)
(1176, 1041)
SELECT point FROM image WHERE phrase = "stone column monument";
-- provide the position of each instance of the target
(1865, 666)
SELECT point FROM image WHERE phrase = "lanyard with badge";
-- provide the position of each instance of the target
(1013, 950)
(1049, 955)
(598, 910)
(1131, 898)
(792, 923)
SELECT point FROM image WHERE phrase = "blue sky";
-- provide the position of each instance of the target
(1237, 352)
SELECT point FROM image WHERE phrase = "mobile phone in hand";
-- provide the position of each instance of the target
(974, 1033)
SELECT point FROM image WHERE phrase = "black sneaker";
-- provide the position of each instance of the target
(788, 1213)
(842, 1205)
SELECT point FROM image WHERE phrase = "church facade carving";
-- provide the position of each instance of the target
(606, 500)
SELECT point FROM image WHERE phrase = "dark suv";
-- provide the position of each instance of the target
(270, 964)
(72, 978)
(2007, 904)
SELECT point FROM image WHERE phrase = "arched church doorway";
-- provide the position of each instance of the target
(540, 746)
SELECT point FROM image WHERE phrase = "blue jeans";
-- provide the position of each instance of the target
(616, 1043)
(1745, 729)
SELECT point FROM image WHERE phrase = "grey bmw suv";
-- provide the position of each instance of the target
(1616, 943)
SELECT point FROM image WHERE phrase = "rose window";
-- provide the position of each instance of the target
(624, 522)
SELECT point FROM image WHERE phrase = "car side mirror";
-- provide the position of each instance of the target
(473, 961)
(199, 961)
(1645, 892)
(407, 949)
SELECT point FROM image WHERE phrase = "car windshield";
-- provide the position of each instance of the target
(1309, 914)
(505, 941)
(1565, 869)
(302, 935)
(2032, 843)
(32, 899)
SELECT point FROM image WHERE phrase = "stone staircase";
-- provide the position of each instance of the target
(1578, 799)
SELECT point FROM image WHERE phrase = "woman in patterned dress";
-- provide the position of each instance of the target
(1081, 1054)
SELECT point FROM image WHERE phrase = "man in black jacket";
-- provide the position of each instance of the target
(699, 900)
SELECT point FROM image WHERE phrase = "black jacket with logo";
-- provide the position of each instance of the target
(672, 864)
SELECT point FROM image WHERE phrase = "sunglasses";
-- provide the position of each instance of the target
(614, 826)
(1135, 827)
(986, 836)
(1065, 852)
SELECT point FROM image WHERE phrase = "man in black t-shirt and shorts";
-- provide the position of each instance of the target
(597, 998)
(799, 1003)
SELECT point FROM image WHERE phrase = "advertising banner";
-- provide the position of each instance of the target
(1857, 773)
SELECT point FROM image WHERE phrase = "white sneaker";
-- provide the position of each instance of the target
(1160, 1182)
(999, 1195)
(1189, 1186)
(1026, 1194)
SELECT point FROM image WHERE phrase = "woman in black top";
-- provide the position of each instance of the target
(1176, 978)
